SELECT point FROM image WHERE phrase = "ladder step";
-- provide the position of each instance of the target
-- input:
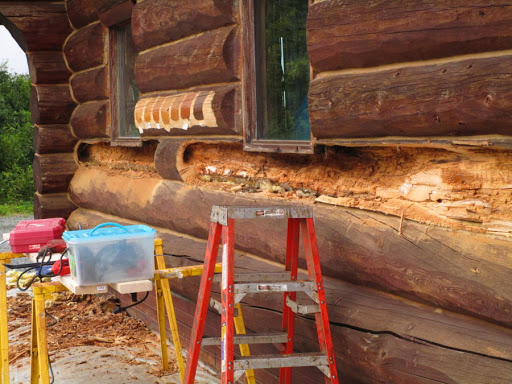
(301, 308)
(257, 338)
(279, 361)
(287, 286)
(257, 277)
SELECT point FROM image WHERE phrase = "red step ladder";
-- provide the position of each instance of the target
(235, 286)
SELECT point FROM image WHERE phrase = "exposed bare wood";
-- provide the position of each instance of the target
(53, 139)
(51, 104)
(152, 25)
(352, 34)
(81, 12)
(90, 120)
(455, 98)
(47, 68)
(85, 48)
(52, 205)
(91, 85)
(209, 58)
(53, 172)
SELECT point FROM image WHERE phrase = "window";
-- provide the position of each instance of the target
(276, 76)
(123, 92)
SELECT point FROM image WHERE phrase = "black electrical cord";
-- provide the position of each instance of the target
(122, 309)
(40, 273)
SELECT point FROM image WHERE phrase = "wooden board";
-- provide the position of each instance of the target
(85, 48)
(47, 68)
(90, 120)
(53, 172)
(91, 85)
(53, 139)
(51, 104)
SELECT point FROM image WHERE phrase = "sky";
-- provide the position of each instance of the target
(11, 51)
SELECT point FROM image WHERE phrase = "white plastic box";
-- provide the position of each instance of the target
(111, 253)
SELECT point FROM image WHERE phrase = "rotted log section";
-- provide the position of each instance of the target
(85, 48)
(47, 68)
(52, 205)
(91, 85)
(81, 12)
(53, 139)
(351, 34)
(429, 264)
(53, 172)
(51, 104)
(201, 112)
(152, 25)
(90, 120)
(206, 59)
(386, 325)
(453, 98)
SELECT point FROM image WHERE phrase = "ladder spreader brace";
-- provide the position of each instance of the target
(235, 286)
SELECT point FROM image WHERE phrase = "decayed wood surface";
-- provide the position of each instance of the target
(91, 85)
(152, 24)
(354, 34)
(51, 104)
(81, 12)
(453, 98)
(85, 48)
(53, 139)
(390, 327)
(90, 120)
(52, 205)
(44, 25)
(53, 172)
(460, 271)
(47, 68)
(206, 111)
(209, 58)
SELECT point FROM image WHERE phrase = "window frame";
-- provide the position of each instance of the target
(250, 88)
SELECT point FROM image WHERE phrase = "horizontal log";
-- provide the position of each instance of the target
(211, 111)
(52, 205)
(91, 85)
(209, 58)
(51, 104)
(86, 47)
(47, 68)
(81, 12)
(91, 120)
(455, 98)
(105, 5)
(357, 246)
(53, 172)
(351, 34)
(53, 139)
(44, 25)
(152, 25)
(111, 13)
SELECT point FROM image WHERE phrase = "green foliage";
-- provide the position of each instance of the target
(9, 209)
(16, 132)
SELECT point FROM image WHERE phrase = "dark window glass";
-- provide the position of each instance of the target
(282, 69)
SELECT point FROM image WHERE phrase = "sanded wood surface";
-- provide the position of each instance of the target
(153, 25)
(85, 48)
(354, 34)
(81, 12)
(53, 139)
(454, 98)
(53, 172)
(90, 120)
(51, 104)
(52, 205)
(91, 85)
(209, 58)
(47, 68)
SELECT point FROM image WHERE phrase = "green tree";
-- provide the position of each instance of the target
(16, 148)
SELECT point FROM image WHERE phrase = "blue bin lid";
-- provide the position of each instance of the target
(108, 231)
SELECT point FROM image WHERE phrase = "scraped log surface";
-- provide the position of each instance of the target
(206, 59)
(47, 68)
(85, 48)
(52, 205)
(152, 25)
(462, 97)
(355, 34)
(51, 104)
(81, 12)
(53, 139)
(91, 85)
(53, 172)
(90, 120)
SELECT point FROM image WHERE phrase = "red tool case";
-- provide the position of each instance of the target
(31, 235)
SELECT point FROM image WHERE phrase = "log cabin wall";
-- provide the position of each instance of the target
(414, 241)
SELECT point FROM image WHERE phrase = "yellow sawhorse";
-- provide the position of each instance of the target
(5, 257)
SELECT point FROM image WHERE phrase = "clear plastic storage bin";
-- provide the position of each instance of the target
(111, 253)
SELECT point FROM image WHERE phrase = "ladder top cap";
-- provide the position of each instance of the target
(221, 214)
